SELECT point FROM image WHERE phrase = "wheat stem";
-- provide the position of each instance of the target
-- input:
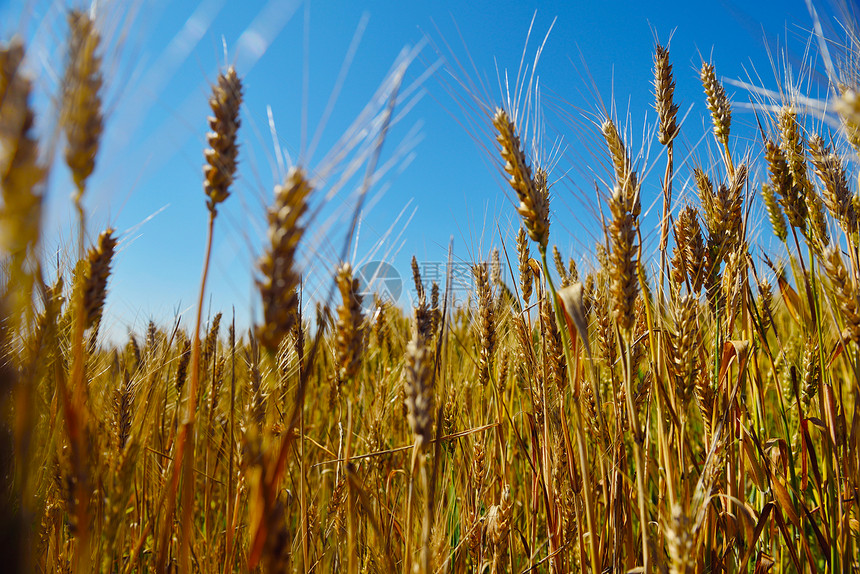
(577, 418)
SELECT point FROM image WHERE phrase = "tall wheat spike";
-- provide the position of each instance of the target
(664, 96)
(82, 115)
(20, 173)
(220, 158)
(99, 260)
(718, 104)
(534, 199)
(223, 149)
(349, 342)
(486, 322)
(279, 279)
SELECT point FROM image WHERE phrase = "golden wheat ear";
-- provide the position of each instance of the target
(417, 383)
(774, 212)
(523, 266)
(688, 257)
(534, 199)
(667, 112)
(20, 174)
(223, 149)
(625, 207)
(664, 96)
(845, 291)
(99, 260)
(782, 182)
(424, 315)
(683, 350)
(718, 103)
(486, 322)
(279, 280)
(81, 115)
(82, 103)
(848, 107)
(349, 341)
(830, 170)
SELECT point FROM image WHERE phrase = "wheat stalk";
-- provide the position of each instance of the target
(221, 165)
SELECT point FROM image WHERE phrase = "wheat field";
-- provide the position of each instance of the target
(687, 409)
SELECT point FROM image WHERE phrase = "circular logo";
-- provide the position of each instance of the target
(380, 279)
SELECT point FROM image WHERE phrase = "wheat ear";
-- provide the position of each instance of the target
(223, 149)
(20, 173)
(534, 199)
(82, 105)
(279, 281)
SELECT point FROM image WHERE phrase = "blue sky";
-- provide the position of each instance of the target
(441, 183)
